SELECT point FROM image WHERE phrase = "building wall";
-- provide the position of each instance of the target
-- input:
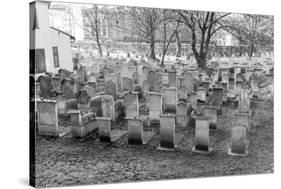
(46, 38)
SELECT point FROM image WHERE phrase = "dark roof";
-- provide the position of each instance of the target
(71, 36)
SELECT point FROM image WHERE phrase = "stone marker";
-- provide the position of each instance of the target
(131, 104)
(243, 119)
(136, 135)
(201, 94)
(193, 100)
(201, 135)
(211, 113)
(188, 81)
(217, 97)
(244, 102)
(239, 143)
(182, 94)
(69, 88)
(183, 115)
(154, 104)
(45, 87)
(128, 84)
(82, 125)
(56, 84)
(168, 139)
(110, 89)
(170, 99)
(48, 119)
(172, 76)
(165, 79)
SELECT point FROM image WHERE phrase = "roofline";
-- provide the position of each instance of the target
(71, 36)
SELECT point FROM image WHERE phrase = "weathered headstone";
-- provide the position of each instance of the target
(211, 113)
(131, 104)
(170, 99)
(128, 84)
(201, 135)
(239, 143)
(110, 89)
(182, 94)
(243, 119)
(201, 94)
(45, 86)
(188, 81)
(154, 101)
(69, 88)
(182, 114)
(172, 76)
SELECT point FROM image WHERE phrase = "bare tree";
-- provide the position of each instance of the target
(252, 30)
(202, 25)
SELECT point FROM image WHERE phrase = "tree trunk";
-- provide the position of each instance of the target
(178, 54)
(99, 45)
(252, 49)
(152, 46)
(201, 61)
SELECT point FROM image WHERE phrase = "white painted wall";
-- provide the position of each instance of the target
(46, 37)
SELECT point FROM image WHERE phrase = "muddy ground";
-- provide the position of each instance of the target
(66, 161)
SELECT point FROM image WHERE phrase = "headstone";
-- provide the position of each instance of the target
(201, 94)
(45, 87)
(193, 100)
(155, 102)
(168, 139)
(172, 76)
(182, 114)
(211, 113)
(131, 104)
(244, 103)
(170, 99)
(217, 97)
(48, 119)
(136, 135)
(182, 94)
(56, 84)
(243, 119)
(128, 84)
(108, 106)
(110, 89)
(165, 79)
(201, 135)
(69, 88)
(239, 143)
(188, 81)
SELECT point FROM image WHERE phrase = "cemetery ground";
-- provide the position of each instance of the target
(67, 161)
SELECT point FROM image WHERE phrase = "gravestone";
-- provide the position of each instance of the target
(154, 104)
(136, 135)
(45, 87)
(170, 99)
(82, 125)
(168, 139)
(243, 119)
(82, 74)
(239, 143)
(135, 78)
(193, 100)
(183, 115)
(110, 89)
(90, 90)
(56, 84)
(131, 104)
(165, 79)
(217, 97)
(128, 84)
(48, 119)
(188, 81)
(211, 113)
(201, 135)
(201, 94)
(182, 94)
(69, 88)
(172, 77)
(151, 80)
(244, 102)
(96, 105)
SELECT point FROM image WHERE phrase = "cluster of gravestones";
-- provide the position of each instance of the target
(173, 96)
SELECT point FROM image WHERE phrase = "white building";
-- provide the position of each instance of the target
(50, 48)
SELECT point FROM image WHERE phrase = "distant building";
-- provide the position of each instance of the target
(50, 48)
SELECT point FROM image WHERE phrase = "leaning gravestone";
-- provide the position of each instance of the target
(154, 103)
(128, 84)
(48, 119)
(168, 139)
(201, 135)
(170, 100)
(239, 143)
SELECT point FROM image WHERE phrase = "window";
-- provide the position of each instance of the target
(56, 57)
(37, 59)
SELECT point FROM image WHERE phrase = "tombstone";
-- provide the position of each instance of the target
(96, 105)
(45, 87)
(56, 84)
(135, 78)
(201, 135)
(131, 104)
(182, 94)
(244, 103)
(243, 119)
(82, 74)
(238, 86)
(170, 100)
(193, 100)
(188, 82)
(182, 114)
(154, 102)
(254, 85)
(201, 94)
(48, 119)
(217, 97)
(172, 77)
(136, 135)
(151, 79)
(69, 88)
(239, 144)
(168, 139)
(165, 79)
(128, 84)
(82, 125)
(110, 89)
(211, 113)
(206, 85)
